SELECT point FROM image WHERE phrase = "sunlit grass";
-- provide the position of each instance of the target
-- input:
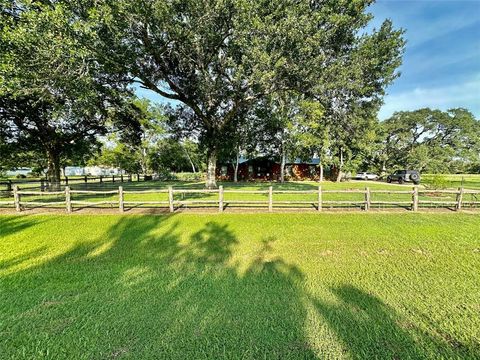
(249, 286)
(454, 181)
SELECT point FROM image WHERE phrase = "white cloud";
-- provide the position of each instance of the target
(465, 95)
(420, 20)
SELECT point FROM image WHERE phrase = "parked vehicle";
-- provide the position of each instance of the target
(365, 176)
(405, 176)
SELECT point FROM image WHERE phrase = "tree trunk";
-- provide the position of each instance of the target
(211, 182)
(54, 170)
(320, 178)
(384, 169)
(144, 160)
(340, 168)
(282, 166)
(189, 159)
(235, 173)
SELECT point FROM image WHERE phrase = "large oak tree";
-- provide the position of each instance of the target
(54, 98)
(219, 57)
(432, 140)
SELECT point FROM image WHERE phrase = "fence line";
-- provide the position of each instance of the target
(221, 202)
(43, 183)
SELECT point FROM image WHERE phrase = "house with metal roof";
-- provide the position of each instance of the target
(268, 169)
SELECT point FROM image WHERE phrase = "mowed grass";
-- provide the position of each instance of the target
(454, 181)
(240, 286)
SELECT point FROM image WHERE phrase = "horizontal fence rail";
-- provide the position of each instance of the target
(216, 197)
(43, 184)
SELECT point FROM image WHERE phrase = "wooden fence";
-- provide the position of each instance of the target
(43, 183)
(172, 204)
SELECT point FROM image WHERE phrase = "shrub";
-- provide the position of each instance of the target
(184, 176)
(165, 175)
(437, 182)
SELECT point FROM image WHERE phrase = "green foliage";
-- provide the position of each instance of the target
(432, 140)
(54, 98)
(220, 58)
(436, 181)
(188, 176)
(172, 155)
(310, 63)
(119, 156)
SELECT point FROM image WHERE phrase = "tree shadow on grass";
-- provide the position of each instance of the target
(369, 329)
(19, 259)
(149, 290)
(13, 224)
(160, 287)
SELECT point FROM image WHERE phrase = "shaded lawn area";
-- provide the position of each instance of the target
(243, 286)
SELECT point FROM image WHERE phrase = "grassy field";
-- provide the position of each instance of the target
(240, 286)
(454, 181)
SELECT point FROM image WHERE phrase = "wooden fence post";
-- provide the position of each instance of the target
(66, 180)
(113, 178)
(121, 178)
(415, 199)
(85, 179)
(100, 178)
(16, 198)
(68, 199)
(120, 199)
(319, 208)
(367, 198)
(170, 198)
(220, 198)
(459, 198)
(270, 198)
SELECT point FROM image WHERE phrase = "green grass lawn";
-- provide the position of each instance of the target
(471, 181)
(240, 286)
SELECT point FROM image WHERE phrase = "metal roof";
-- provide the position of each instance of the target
(296, 161)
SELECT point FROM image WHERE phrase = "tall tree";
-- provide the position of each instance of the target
(219, 57)
(152, 128)
(170, 154)
(314, 135)
(53, 98)
(119, 155)
(432, 140)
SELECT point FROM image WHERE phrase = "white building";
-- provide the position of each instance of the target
(20, 171)
(92, 171)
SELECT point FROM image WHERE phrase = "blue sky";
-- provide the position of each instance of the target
(441, 65)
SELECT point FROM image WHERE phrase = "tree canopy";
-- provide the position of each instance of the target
(54, 99)
(432, 140)
(218, 58)
(68, 69)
